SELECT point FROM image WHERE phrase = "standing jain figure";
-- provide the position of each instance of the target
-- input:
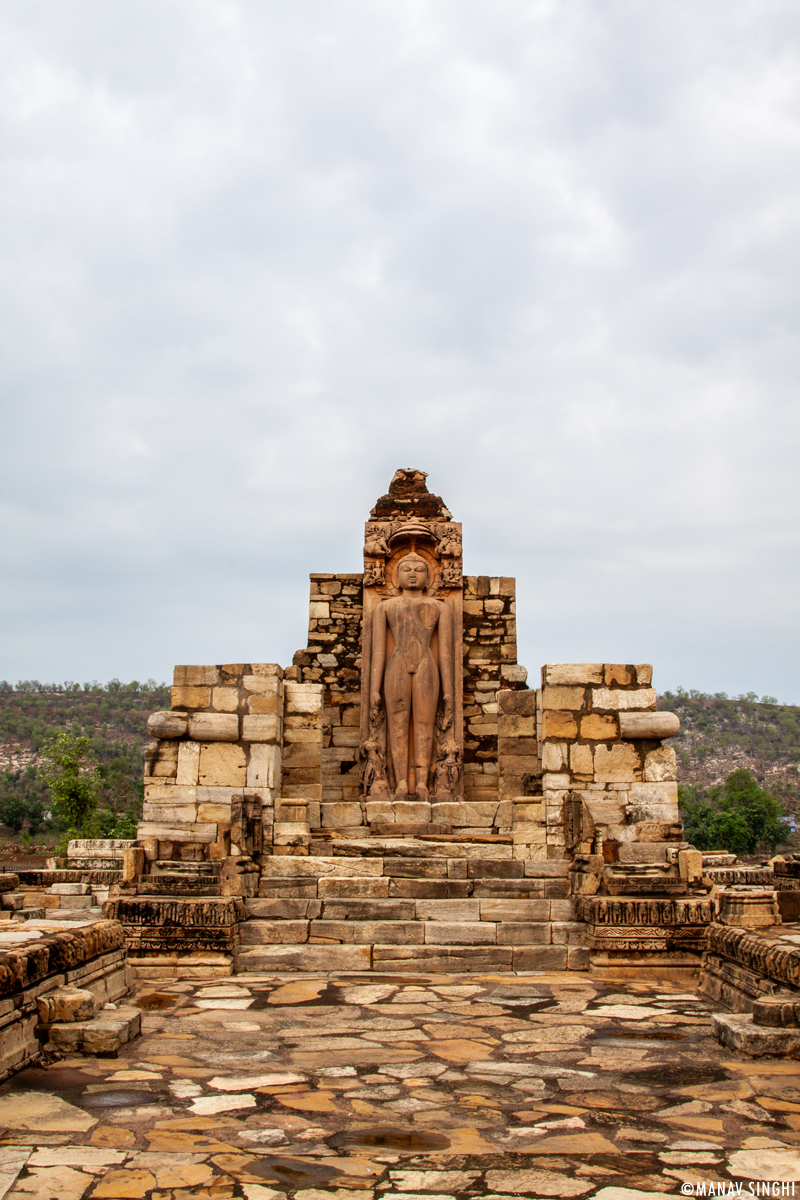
(411, 678)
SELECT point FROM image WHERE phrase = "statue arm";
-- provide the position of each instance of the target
(446, 662)
(378, 660)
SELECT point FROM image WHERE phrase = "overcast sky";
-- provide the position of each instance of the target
(258, 254)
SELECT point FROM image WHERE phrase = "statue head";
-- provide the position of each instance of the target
(412, 573)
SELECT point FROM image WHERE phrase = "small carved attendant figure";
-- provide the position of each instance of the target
(411, 679)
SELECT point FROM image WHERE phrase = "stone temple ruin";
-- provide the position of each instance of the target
(400, 800)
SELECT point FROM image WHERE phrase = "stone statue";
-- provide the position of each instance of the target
(410, 681)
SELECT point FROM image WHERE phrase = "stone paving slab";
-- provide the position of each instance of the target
(368, 1086)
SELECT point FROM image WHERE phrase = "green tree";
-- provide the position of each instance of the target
(737, 816)
(72, 778)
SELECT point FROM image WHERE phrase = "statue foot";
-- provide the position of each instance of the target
(422, 794)
(401, 794)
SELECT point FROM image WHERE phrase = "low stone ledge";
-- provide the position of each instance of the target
(763, 955)
(56, 952)
(738, 1031)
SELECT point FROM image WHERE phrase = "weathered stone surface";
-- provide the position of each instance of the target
(188, 764)
(214, 727)
(572, 673)
(613, 699)
(264, 727)
(194, 676)
(66, 1004)
(660, 765)
(563, 697)
(167, 724)
(222, 765)
(648, 725)
(599, 727)
(106, 1033)
(616, 764)
(557, 724)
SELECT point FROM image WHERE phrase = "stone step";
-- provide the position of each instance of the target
(392, 957)
(356, 908)
(104, 1034)
(414, 932)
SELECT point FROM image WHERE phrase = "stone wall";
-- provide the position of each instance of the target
(625, 781)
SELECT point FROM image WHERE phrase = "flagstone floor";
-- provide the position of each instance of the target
(397, 1087)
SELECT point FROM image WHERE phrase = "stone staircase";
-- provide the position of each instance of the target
(424, 903)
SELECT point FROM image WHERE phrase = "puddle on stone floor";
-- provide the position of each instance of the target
(155, 1001)
(294, 1172)
(675, 1077)
(118, 1098)
(388, 1138)
(67, 1082)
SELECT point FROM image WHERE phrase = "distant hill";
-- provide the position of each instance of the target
(113, 715)
(720, 733)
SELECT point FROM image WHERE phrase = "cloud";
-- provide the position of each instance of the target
(256, 257)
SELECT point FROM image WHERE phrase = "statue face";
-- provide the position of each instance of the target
(412, 573)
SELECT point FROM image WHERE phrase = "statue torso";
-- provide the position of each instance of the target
(412, 621)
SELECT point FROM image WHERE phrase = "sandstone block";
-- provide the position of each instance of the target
(653, 802)
(569, 933)
(332, 815)
(402, 933)
(267, 669)
(448, 813)
(519, 911)
(305, 958)
(167, 725)
(365, 889)
(214, 727)
(298, 756)
(411, 812)
(618, 700)
(606, 808)
(644, 674)
(266, 932)
(479, 814)
(523, 933)
(367, 910)
(190, 697)
(660, 765)
(305, 698)
(599, 728)
(616, 764)
(168, 792)
(642, 852)
(581, 759)
(268, 686)
(264, 767)
(65, 1004)
(572, 673)
(649, 724)
(265, 704)
(540, 958)
(225, 699)
(554, 756)
(169, 812)
(222, 765)
(220, 814)
(188, 764)
(526, 812)
(194, 676)
(529, 835)
(619, 673)
(562, 697)
(448, 910)
(557, 724)
(464, 933)
(512, 725)
(176, 833)
(563, 910)
(261, 727)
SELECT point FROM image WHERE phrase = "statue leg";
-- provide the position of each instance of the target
(397, 694)
(425, 700)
